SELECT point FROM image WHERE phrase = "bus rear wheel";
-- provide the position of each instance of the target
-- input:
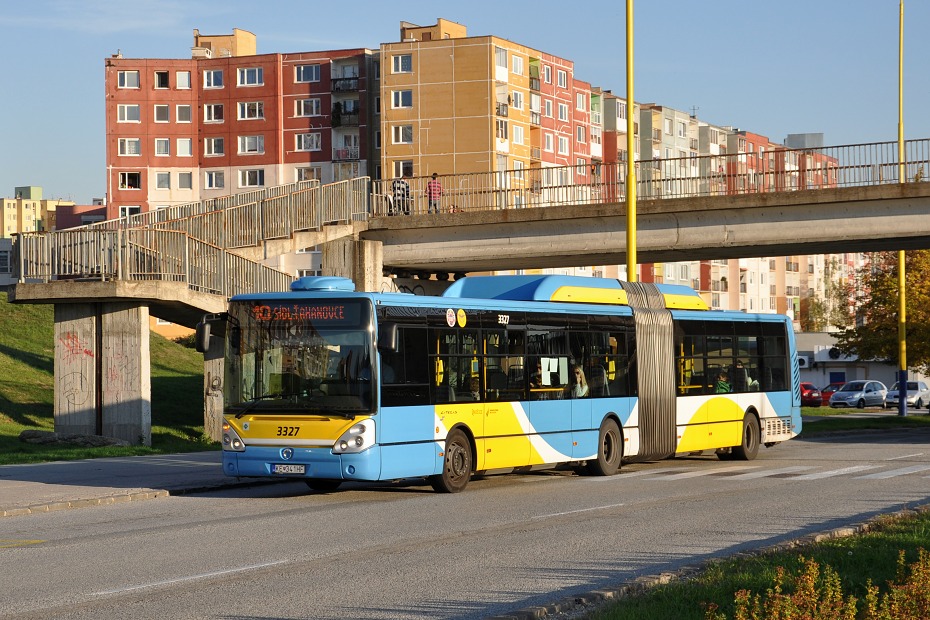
(323, 484)
(609, 450)
(749, 447)
(457, 465)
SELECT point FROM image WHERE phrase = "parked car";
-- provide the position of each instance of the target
(810, 395)
(827, 391)
(860, 394)
(918, 395)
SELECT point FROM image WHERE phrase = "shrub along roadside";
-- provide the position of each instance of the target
(886, 549)
(27, 392)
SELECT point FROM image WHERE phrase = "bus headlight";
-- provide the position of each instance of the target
(231, 439)
(358, 438)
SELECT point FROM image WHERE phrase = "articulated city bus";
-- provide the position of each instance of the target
(500, 374)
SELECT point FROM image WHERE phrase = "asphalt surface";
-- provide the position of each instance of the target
(44, 487)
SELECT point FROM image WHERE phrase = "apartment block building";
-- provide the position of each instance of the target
(455, 104)
(228, 120)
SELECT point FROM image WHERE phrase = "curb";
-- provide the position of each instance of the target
(127, 497)
(582, 605)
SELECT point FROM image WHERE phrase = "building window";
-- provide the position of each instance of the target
(517, 65)
(402, 63)
(214, 179)
(130, 180)
(402, 98)
(563, 112)
(161, 114)
(183, 79)
(251, 178)
(213, 147)
(518, 100)
(500, 57)
(402, 134)
(580, 134)
(403, 168)
(518, 167)
(251, 110)
(213, 113)
(185, 180)
(162, 180)
(251, 76)
(130, 146)
(308, 142)
(185, 147)
(682, 129)
(377, 139)
(127, 79)
(308, 107)
(5, 265)
(162, 147)
(563, 145)
(183, 113)
(563, 79)
(547, 108)
(213, 78)
(161, 79)
(311, 173)
(549, 143)
(579, 101)
(307, 73)
(547, 74)
(517, 134)
(128, 210)
(127, 113)
(251, 144)
(503, 129)
(668, 126)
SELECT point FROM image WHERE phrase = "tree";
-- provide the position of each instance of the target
(875, 336)
(818, 313)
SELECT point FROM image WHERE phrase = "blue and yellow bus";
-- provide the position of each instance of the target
(499, 374)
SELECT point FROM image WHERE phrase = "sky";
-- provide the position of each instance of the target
(769, 67)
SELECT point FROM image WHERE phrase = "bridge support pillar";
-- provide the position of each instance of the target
(360, 261)
(102, 372)
(213, 390)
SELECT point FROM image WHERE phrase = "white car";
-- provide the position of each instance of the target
(860, 394)
(918, 395)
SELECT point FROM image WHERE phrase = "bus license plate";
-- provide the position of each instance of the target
(287, 468)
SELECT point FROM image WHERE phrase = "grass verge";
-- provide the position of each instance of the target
(873, 555)
(27, 392)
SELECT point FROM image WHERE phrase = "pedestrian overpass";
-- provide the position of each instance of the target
(179, 262)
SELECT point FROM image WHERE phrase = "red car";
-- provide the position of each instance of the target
(827, 391)
(810, 395)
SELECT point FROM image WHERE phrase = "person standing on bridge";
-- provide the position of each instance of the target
(401, 191)
(434, 193)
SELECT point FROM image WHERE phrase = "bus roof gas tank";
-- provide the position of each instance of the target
(323, 284)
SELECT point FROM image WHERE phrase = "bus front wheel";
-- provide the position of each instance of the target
(457, 465)
(609, 450)
(748, 449)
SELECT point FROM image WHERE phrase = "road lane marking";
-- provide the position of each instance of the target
(10, 543)
(770, 472)
(906, 456)
(704, 472)
(913, 469)
(835, 472)
(572, 512)
(168, 582)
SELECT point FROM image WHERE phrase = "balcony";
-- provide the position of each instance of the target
(345, 85)
(502, 109)
(534, 83)
(346, 154)
(535, 118)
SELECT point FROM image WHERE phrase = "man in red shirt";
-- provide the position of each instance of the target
(433, 193)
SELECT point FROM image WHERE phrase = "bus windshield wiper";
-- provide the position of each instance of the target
(249, 405)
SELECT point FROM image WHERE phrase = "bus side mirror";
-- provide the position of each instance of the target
(387, 337)
(202, 338)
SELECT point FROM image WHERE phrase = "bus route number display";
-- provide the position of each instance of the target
(337, 313)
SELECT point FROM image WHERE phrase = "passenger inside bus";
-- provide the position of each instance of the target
(577, 384)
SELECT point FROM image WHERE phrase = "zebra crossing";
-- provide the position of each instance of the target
(873, 471)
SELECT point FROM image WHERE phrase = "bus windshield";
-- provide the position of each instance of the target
(299, 357)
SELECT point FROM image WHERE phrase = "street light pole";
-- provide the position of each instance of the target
(630, 152)
(902, 172)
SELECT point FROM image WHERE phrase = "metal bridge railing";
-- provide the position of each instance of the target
(200, 233)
